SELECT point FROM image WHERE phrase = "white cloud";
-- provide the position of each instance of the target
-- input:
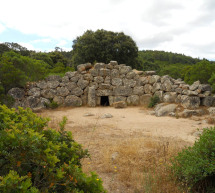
(2, 28)
(178, 25)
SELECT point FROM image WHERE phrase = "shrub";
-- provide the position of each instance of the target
(153, 101)
(34, 158)
(52, 105)
(194, 167)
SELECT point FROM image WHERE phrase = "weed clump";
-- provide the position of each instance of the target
(153, 101)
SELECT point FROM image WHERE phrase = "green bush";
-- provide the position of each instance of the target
(34, 158)
(52, 105)
(194, 167)
(153, 101)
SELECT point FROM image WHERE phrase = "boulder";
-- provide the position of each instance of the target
(133, 100)
(137, 72)
(114, 63)
(99, 79)
(59, 100)
(194, 86)
(153, 79)
(70, 85)
(52, 84)
(211, 110)
(116, 82)
(65, 79)
(124, 69)
(167, 85)
(189, 113)
(148, 89)
(48, 93)
(98, 66)
(105, 92)
(169, 97)
(208, 101)
(138, 90)
(71, 74)
(119, 98)
(204, 87)
(120, 104)
(190, 102)
(130, 75)
(104, 72)
(84, 67)
(62, 91)
(145, 99)
(165, 110)
(73, 100)
(76, 91)
(129, 82)
(16, 93)
(34, 92)
(83, 83)
(41, 84)
(114, 73)
(122, 91)
(94, 72)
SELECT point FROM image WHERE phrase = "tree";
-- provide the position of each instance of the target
(104, 46)
(201, 71)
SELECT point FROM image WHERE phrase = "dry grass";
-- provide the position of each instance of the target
(126, 164)
(211, 120)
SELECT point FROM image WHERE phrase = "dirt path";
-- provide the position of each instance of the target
(124, 140)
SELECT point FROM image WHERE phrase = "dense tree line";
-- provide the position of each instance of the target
(19, 65)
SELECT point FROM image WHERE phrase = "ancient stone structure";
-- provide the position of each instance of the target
(108, 84)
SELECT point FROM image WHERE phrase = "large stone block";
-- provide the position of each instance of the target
(129, 82)
(59, 100)
(138, 90)
(104, 72)
(104, 92)
(208, 101)
(17, 93)
(169, 97)
(83, 83)
(124, 69)
(133, 100)
(116, 82)
(76, 91)
(114, 73)
(122, 91)
(92, 97)
(73, 100)
(52, 84)
(99, 79)
(145, 99)
(34, 92)
(190, 102)
(48, 93)
(148, 89)
(62, 91)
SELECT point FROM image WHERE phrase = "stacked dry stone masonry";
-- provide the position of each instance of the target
(106, 84)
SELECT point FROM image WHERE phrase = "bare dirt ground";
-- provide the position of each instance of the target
(122, 147)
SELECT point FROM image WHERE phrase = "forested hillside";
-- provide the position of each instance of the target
(18, 65)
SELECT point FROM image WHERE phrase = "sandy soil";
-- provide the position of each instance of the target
(131, 127)
(130, 121)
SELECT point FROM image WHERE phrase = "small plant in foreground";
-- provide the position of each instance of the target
(34, 158)
(194, 167)
(153, 101)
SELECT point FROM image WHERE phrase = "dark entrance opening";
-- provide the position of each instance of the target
(105, 101)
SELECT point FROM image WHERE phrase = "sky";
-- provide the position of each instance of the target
(180, 26)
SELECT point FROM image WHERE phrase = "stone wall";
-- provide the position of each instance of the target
(89, 83)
